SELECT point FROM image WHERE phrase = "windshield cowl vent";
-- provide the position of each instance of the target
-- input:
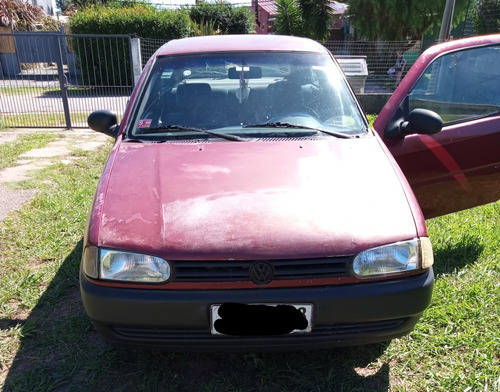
(287, 139)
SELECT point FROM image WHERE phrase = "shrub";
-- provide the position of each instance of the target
(486, 17)
(140, 19)
(227, 18)
(94, 53)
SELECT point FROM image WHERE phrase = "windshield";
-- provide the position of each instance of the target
(248, 94)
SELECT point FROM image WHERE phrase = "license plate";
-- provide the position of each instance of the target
(260, 319)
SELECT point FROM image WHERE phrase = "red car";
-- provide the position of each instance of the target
(247, 205)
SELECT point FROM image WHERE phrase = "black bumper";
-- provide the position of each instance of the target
(177, 320)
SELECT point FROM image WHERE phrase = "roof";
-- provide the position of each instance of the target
(245, 42)
(269, 6)
(338, 8)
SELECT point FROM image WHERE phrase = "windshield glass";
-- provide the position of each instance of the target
(249, 94)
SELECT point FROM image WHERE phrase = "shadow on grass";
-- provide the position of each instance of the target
(60, 351)
(456, 256)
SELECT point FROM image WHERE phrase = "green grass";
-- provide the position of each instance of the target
(40, 119)
(371, 119)
(71, 91)
(9, 152)
(22, 90)
(48, 344)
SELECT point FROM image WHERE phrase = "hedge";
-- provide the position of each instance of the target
(94, 54)
(228, 19)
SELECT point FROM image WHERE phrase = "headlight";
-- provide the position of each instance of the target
(395, 258)
(132, 267)
(124, 266)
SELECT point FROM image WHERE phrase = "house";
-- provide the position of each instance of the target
(266, 11)
(49, 6)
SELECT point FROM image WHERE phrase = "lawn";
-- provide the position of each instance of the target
(56, 120)
(71, 91)
(48, 344)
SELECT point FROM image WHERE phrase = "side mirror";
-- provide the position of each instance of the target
(421, 121)
(104, 121)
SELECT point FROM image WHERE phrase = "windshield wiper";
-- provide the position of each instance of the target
(296, 126)
(189, 129)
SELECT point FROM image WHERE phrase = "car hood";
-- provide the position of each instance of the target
(263, 199)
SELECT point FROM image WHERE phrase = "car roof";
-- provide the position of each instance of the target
(244, 42)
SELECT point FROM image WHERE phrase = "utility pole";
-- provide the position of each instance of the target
(449, 9)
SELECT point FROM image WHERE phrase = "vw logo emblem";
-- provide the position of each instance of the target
(261, 272)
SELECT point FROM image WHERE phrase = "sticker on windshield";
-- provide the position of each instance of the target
(145, 123)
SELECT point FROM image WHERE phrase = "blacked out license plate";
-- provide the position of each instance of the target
(265, 319)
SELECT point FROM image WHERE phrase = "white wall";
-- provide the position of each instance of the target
(49, 6)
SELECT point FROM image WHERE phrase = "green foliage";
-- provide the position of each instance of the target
(140, 19)
(70, 6)
(225, 17)
(94, 53)
(395, 20)
(308, 18)
(486, 16)
(23, 16)
(289, 19)
(205, 28)
(317, 16)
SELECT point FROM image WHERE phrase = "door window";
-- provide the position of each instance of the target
(460, 86)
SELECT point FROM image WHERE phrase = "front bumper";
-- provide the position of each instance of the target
(179, 320)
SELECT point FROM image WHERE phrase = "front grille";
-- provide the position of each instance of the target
(326, 331)
(238, 270)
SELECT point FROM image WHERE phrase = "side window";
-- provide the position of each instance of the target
(461, 85)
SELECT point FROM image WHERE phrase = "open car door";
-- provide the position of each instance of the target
(458, 167)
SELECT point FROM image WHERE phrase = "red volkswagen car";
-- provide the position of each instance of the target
(247, 204)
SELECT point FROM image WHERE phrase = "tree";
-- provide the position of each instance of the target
(486, 16)
(21, 15)
(400, 19)
(317, 18)
(72, 5)
(309, 18)
(289, 19)
(224, 17)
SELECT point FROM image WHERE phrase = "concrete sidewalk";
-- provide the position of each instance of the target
(54, 152)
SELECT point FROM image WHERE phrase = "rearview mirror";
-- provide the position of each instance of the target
(248, 72)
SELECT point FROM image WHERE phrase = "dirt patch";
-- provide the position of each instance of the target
(59, 150)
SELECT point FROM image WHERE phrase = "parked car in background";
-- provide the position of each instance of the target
(247, 205)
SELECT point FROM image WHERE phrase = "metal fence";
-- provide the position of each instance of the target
(56, 80)
(50, 79)
(379, 56)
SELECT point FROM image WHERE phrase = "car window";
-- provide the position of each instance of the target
(245, 93)
(461, 85)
